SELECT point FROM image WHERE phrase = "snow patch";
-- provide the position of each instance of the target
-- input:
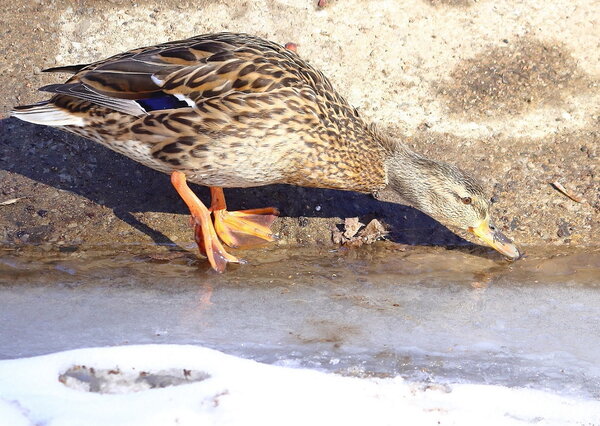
(234, 391)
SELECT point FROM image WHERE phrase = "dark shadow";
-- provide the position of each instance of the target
(157, 236)
(71, 163)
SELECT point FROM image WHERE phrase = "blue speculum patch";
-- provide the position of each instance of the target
(162, 101)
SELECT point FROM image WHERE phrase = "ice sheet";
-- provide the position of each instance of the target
(426, 315)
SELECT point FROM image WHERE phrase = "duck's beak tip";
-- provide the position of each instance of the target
(497, 240)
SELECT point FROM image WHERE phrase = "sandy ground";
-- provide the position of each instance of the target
(507, 90)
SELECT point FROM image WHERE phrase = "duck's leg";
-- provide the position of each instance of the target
(242, 228)
(204, 231)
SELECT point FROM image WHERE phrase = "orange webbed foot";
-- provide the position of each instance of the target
(204, 230)
(242, 228)
(210, 245)
(245, 228)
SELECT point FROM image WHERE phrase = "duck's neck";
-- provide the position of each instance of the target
(354, 161)
(410, 176)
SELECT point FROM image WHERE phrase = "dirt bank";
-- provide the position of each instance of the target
(507, 90)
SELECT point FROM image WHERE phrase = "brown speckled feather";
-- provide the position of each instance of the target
(252, 113)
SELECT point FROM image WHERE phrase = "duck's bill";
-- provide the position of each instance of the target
(496, 239)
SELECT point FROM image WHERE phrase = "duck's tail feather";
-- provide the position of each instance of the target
(84, 93)
(47, 114)
(68, 69)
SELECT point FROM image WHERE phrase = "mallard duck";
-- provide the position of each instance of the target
(235, 110)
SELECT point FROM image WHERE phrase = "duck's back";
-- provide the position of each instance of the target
(227, 109)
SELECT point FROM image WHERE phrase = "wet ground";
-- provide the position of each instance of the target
(427, 314)
(509, 91)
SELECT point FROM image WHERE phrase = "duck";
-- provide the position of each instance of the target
(230, 110)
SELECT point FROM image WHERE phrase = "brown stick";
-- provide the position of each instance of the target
(559, 187)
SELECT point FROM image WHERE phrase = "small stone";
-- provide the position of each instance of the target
(564, 229)
(291, 46)
(424, 126)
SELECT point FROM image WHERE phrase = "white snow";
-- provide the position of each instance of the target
(243, 392)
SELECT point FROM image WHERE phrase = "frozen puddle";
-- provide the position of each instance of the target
(424, 321)
(235, 391)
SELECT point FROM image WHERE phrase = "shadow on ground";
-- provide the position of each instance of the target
(67, 162)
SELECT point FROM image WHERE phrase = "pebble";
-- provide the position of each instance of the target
(563, 229)
(291, 46)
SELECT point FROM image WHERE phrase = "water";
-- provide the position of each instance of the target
(427, 314)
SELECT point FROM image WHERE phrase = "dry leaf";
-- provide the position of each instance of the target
(351, 227)
(337, 236)
(351, 236)
(373, 232)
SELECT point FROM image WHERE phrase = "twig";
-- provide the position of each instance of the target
(11, 201)
(558, 186)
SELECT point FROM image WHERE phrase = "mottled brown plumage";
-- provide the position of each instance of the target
(251, 98)
(234, 110)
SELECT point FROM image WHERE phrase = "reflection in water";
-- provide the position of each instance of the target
(421, 312)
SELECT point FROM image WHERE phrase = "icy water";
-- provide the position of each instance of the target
(427, 314)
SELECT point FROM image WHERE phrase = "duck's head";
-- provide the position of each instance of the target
(450, 196)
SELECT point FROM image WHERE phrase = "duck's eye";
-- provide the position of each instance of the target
(466, 200)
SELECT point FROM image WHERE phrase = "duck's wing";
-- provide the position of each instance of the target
(192, 70)
(187, 73)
